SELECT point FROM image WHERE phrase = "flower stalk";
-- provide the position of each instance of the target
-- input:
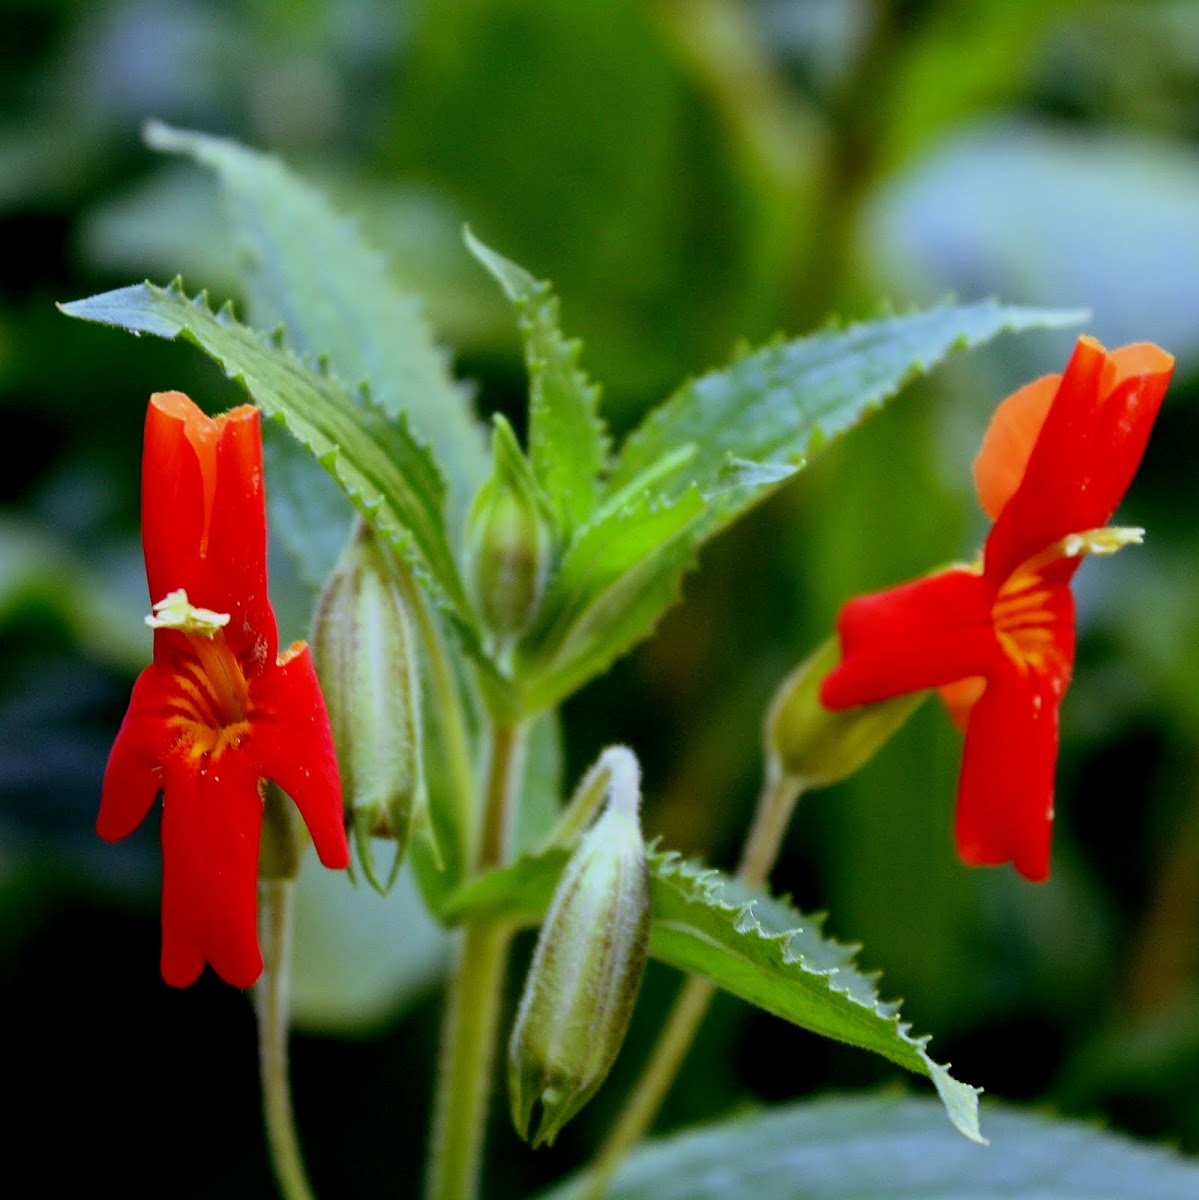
(471, 1024)
(272, 1005)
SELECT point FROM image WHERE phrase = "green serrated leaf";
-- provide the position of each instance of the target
(568, 444)
(750, 944)
(764, 951)
(308, 268)
(387, 474)
(614, 581)
(863, 1149)
(776, 406)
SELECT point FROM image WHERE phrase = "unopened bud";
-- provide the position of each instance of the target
(817, 746)
(586, 969)
(509, 539)
(365, 654)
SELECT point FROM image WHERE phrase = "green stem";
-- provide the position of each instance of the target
(468, 1049)
(507, 744)
(451, 724)
(473, 1005)
(775, 806)
(272, 1002)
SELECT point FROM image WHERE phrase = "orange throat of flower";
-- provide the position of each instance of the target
(1025, 623)
(210, 707)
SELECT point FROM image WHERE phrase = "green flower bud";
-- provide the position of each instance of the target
(586, 969)
(812, 744)
(365, 654)
(508, 538)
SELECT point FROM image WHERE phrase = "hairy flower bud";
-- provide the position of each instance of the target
(586, 969)
(818, 746)
(365, 656)
(508, 538)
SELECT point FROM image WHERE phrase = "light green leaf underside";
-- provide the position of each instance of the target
(775, 406)
(568, 444)
(754, 946)
(614, 582)
(350, 973)
(309, 514)
(307, 268)
(900, 1149)
(388, 475)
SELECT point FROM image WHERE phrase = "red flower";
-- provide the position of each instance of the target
(219, 710)
(998, 637)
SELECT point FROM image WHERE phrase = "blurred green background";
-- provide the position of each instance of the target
(688, 172)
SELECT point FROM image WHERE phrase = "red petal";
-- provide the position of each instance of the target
(1005, 795)
(1087, 452)
(173, 489)
(204, 518)
(211, 821)
(923, 634)
(235, 562)
(293, 745)
(1008, 442)
(133, 777)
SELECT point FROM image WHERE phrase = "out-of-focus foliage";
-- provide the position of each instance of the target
(687, 173)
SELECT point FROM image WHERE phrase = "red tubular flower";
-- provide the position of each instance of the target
(998, 637)
(219, 710)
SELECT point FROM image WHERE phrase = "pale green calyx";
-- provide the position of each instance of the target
(816, 746)
(176, 611)
(587, 966)
(365, 653)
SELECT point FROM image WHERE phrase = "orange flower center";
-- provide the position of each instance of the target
(212, 698)
(1024, 622)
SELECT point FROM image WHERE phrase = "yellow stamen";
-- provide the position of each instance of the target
(176, 611)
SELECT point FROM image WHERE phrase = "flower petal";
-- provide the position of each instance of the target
(293, 745)
(1086, 453)
(211, 822)
(235, 559)
(173, 497)
(1009, 440)
(1005, 794)
(923, 634)
(132, 777)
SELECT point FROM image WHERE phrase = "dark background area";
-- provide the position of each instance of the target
(687, 174)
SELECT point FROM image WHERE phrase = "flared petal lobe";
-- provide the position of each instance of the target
(133, 776)
(211, 823)
(1005, 792)
(933, 631)
(293, 745)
